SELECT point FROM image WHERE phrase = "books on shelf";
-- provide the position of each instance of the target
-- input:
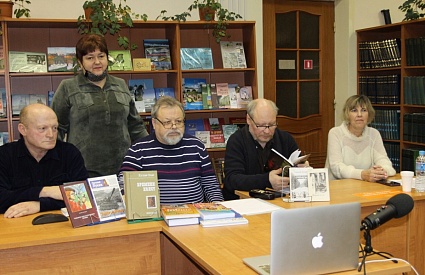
(308, 184)
(107, 197)
(193, 125)
(232, 54)
(214, 126)
(79, 203)
(166, 91)
(19, 101)
(379, 54)
(120, 60)
(141, 195)
(61, 59)
(196, 58)
(382, 89)
(228, 130)
(233, 95)
(211, 210)
(192, 93)
(42, 99)
(158, 51)
(223, 97)
(204, 137)
(27, 62)
(244, 96)
(3, 103)
(276, 160)
(142, 64)
(50, 95)
(138, 89)
(179, 214)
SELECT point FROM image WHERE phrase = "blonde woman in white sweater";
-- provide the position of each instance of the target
(356, 150)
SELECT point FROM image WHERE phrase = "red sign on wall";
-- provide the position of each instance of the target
(308, 64)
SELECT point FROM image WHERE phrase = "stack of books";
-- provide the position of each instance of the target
(216, 214)
(179, 214)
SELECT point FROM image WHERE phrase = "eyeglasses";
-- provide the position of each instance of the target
(169, 124)
(263, 127)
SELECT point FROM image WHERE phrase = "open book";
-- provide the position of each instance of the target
(276, 160)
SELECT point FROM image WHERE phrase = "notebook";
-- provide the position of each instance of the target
(312, 240)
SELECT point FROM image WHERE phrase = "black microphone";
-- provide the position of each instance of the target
(396, 207)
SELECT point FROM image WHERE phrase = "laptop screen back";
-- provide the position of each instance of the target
(315, 240)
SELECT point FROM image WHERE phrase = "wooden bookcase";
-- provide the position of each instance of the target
(35, 35)
(402, 32)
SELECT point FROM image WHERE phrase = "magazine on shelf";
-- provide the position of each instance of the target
(27, 62)
(61, 59)
(196, 58)
(233, 54)
(120, 60)
(158, 50)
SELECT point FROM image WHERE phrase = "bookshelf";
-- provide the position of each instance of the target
(35, 35)
(391, 72)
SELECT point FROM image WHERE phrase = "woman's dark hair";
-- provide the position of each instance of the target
(89, 43)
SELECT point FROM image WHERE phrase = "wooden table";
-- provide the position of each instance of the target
(154, 248)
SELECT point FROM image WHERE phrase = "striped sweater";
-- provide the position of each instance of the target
(185, 172)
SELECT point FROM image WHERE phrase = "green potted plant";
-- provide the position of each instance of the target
(6, 8)
(411, 7)
(104, 16)
(211, 11)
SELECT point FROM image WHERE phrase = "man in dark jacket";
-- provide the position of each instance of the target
(248, 149)
(32, 168)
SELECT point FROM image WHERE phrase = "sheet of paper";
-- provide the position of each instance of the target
(251, 206)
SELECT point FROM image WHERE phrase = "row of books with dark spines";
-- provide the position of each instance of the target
(408, 158)
(379, 54)
(387, 122)
(414, 127)
(381, 89)
(415, 51)
(200, 95)
(213, 132)
(414, 90)
(393, 152)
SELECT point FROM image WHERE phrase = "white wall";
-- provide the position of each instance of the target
(350, 15)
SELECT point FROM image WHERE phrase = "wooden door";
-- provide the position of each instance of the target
(299, 70)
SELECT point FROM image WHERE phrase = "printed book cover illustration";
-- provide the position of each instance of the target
(158, 50)
(232, 54)
(223, 97)
(244, 96)
(3, 103)
(42, 99)
(107, 197)
(61, 59)
(192, 93)
(179, 211)
(141, 195)
(204, 137)
(142, 64)
(27, 62)
(137, 89)
(209, 211)
(233, 94)
(318, 183)
(228, 130)
(19, 101)
(193, 125)
(166, 91)
(298, 184)
(120, 60)
(196, 58)
(79, 203)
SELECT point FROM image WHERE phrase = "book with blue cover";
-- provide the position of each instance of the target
(158, 50)
(193, 125)
(211, 210)
(166, 91)
(192, 93)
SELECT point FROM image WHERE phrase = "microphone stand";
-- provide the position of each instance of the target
(368, 250)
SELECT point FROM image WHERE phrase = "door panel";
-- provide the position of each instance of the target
(299, 70)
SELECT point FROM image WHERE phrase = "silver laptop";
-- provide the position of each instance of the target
(312, 240)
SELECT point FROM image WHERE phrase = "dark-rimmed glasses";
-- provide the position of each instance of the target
(263, 127)
(169, 124)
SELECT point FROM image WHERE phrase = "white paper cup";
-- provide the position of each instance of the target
(406, 180)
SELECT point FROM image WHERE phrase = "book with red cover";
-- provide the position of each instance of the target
(79, 203)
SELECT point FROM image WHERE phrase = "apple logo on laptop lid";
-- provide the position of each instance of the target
(317, 241)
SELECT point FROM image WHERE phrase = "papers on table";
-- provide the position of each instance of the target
(251, 206)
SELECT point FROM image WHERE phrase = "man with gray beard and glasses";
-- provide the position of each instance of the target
(185, 172)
